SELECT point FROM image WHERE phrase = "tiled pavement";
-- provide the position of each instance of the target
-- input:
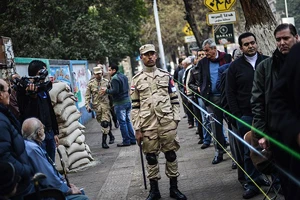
(116, 173)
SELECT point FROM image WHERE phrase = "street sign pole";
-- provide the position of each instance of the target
(161, 47)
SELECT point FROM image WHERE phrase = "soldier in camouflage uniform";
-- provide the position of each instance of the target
(155, 116)
(100, 103)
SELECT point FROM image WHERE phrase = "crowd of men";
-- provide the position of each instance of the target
(246, 87)
(261, 92)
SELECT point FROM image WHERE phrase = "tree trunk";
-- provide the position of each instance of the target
(190, 17)
(261, 22)
(7, 65)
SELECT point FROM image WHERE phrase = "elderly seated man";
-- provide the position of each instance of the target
(33, 133)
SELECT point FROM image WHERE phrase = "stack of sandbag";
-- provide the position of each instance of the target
(75, 152)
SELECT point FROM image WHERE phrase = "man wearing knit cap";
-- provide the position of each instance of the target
(100, 103)
(155, 116)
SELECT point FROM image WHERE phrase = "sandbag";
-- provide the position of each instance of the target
(80, 139)
(77, 156)
(73, 117)
(67, 112)
(60, 107)
(87, 148)
(75, 147)
(66, 131)
(81, 127)
(89, 151)
(64, 158)
(68, 140)
(79, 163)
(56, 89)
(63, 95)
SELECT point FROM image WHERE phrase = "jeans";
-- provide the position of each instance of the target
(49, 144)
(123, 116)
(249, 167)
(205, 122)
(76, 197)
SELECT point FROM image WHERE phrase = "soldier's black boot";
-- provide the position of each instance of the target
(154, 193)
(174, 192)
(111, 138)
(104, 144)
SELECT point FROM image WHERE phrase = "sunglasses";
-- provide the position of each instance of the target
(202, 54)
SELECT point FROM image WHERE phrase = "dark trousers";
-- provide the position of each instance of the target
(245, 152)
(198, 115)
(184, 101)
(113, 115)
(289, 164)
(232, 140)
(189, 110)
(218, 130)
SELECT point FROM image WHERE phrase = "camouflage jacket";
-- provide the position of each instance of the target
(154, 99)
(92, 95)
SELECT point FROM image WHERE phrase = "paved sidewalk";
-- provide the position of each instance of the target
(116, 173)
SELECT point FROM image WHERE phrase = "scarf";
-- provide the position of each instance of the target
(220, 59)
(278, 59)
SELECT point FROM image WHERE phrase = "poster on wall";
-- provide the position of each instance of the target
(80, 82)
(61, 73)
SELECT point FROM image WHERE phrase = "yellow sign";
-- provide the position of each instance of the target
(219, 5)
(187, 30)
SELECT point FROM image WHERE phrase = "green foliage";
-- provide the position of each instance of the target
(78, 29)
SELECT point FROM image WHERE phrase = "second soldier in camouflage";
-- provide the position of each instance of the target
(100, 103)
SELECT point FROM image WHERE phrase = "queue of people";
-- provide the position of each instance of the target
(244, 87)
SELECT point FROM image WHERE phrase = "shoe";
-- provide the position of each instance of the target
(245, 186)
(248, 194)
(204, 146)
(217, 159)
(191, 126)
(184, 116)
(104, 144)
(133, 143)
(122, 145)
(174, 192)
(200, 141)
(264, 182)
(227, 144)
(277, 188)
(233, 165)
(154, 193)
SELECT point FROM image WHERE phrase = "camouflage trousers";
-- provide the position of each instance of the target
(162, 139)
(103, 114)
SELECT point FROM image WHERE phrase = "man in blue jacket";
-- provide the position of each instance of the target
(122, 104)
(34, 133)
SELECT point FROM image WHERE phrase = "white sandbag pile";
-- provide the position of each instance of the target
(75, 152)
